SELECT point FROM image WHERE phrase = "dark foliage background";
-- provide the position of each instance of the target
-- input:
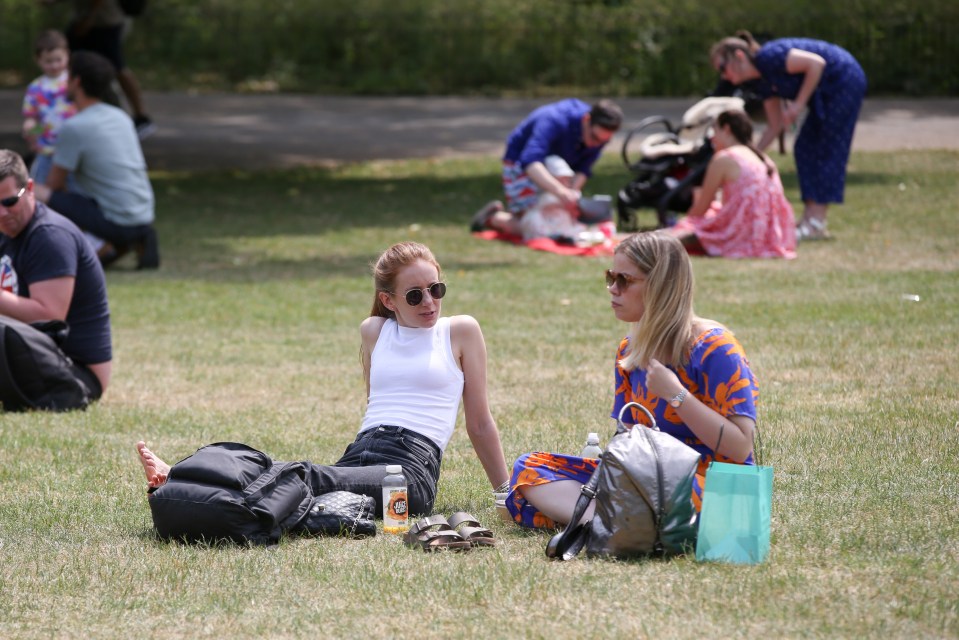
(496, 47)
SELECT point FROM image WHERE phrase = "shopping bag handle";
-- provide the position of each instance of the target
(757, 450)
(621, 427)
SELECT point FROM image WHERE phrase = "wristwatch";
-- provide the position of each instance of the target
(677, 400)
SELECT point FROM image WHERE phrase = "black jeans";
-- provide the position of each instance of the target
(362, 467)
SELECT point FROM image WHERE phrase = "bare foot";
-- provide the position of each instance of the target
(157, 470)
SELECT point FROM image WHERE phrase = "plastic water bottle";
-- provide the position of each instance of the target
(396, 514)
(592, 448)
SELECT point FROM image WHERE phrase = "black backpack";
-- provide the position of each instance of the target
(34, 371)
(230, 491)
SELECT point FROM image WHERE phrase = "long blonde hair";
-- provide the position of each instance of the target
(388, 266)
(665, 331)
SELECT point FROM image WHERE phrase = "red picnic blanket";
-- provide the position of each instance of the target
(550, 245)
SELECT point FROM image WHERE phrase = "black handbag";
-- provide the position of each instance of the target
(341, 513)
(643, 491)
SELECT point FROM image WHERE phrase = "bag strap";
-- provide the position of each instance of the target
(268, 479)
(58, 330)
(586, 495)
(566, 544)
(271, 511)
(757, 436)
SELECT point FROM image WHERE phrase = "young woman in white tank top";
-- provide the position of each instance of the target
(417, 365)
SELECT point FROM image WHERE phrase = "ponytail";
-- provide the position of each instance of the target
(727, 47)
(742, 129)
(748, 38)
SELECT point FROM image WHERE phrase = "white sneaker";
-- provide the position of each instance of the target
(812, 229)
(144, 126)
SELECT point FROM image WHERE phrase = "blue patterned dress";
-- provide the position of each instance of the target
(823, 145)
(717, 374)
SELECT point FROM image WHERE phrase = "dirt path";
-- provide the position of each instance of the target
(222, 131)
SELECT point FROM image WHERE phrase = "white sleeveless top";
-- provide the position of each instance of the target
(415, 382)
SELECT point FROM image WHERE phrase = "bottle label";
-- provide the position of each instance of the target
(395, 511)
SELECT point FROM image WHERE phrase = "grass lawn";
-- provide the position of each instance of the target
(249, 333)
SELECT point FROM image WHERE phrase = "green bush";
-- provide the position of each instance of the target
(547, 47)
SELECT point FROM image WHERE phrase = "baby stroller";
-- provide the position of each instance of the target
(667, 163)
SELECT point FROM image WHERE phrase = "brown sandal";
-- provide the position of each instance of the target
(470, 528)
(434, 533)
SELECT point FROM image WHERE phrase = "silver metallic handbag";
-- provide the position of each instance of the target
(643, 491)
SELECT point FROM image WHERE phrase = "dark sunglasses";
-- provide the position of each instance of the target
(621, 280)
(414, 297)
(722, 66)
(12, 200)
(598, 138)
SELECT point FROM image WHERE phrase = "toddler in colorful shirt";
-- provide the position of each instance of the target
(46, 105)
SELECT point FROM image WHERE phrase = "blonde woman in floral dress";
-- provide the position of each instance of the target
(690, 372)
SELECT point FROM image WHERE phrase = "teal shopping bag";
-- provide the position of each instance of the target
(735, 518)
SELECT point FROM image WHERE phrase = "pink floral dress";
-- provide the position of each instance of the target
(754, 218)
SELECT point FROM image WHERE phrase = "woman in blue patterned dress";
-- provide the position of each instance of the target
(690, 372)
(815, 75)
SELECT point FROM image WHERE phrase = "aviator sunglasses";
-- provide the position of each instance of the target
(12, 200)
(621, 280)
(415, 296)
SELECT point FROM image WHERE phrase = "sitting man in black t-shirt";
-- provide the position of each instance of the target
(49, 271)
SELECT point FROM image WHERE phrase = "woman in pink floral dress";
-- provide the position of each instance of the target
(753, 219)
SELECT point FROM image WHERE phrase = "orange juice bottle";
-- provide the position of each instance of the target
(396, 515)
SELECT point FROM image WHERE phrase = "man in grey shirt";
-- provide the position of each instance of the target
(100, 147)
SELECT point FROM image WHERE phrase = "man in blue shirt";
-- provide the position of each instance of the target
(49, 271)
(570, 129)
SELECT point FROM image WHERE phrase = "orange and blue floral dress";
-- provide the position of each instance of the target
(717, 374)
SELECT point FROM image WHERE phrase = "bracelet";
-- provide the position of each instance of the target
(503, 488)
(722, 426)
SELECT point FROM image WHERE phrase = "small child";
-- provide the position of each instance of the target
(550, 217)
(45, 105)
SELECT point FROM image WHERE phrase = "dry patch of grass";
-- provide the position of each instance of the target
(249, 333)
